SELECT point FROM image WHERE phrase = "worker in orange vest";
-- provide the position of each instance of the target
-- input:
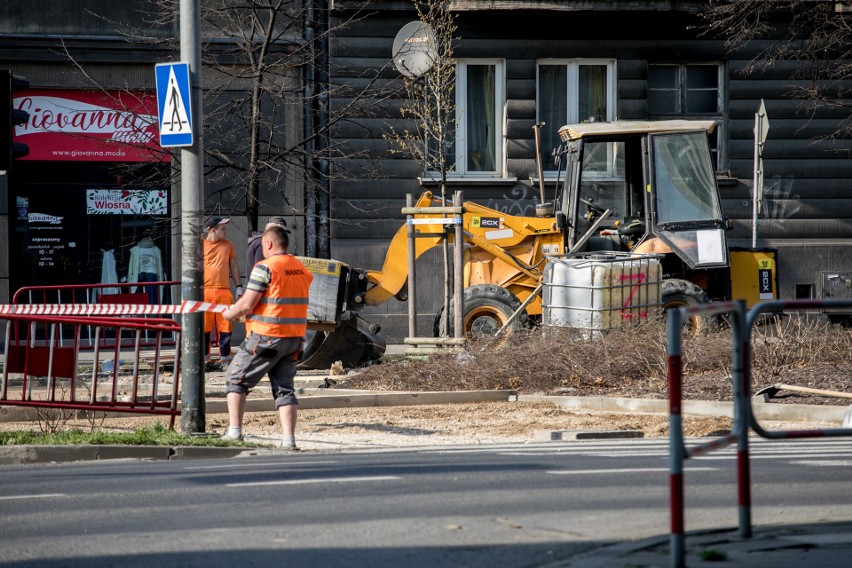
(275, 305)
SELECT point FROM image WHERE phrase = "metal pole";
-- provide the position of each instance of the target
(458, 269)
(311, 183)
(676, 444)
(742, 408)
(412, 309)
(192, 192)
(537, 134)
(755, 182)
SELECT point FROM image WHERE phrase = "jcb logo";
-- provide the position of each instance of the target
(488, 222)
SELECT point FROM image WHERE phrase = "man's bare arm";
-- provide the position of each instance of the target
(235, 271)
(243, 306)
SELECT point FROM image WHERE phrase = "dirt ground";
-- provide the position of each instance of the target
(471, 423)
(424, 425)
(629, 365)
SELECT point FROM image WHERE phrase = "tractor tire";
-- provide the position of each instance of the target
(677, 293)
(487, 307)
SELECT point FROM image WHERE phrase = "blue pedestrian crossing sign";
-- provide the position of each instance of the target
(173, 104)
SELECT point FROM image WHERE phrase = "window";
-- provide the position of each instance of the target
(480, 100)
(687, 90)
(570, 92)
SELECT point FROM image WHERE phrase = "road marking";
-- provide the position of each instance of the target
(315, 480)
(782, 456)
(41, 496)
(821, 463)
(263, 464)
(628, 470)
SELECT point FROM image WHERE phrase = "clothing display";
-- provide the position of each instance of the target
(108, 272)
(146, 265)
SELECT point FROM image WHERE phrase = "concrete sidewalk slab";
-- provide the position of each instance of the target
(823, 544)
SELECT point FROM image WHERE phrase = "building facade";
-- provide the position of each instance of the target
(525, 62)
(85, 191)
(96, 182)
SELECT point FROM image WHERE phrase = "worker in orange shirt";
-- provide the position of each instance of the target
(220, 265)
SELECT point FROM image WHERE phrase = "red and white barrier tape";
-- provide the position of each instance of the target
(187, 307)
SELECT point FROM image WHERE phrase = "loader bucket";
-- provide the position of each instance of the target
(351, 343)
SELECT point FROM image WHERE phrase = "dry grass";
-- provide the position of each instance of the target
(631, 362)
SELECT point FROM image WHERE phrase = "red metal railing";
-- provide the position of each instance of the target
(41, 371)
(742, 324)
(128, 293)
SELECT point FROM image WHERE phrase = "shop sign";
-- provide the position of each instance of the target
(113, 126)
(126, 202)
(47, 244)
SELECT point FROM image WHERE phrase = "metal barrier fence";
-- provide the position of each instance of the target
(45, 373)
(742, 324)
(135, 293)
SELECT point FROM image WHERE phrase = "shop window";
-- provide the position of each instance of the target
(82, 234)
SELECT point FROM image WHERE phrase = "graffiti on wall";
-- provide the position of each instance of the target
(520, 201)
(779, 201)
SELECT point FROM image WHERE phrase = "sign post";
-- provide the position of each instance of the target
(761, 127)
(179, 103)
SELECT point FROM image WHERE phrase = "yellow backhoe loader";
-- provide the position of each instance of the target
(629, 186)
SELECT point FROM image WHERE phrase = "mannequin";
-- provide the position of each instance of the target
(146, 265)
(108, 273)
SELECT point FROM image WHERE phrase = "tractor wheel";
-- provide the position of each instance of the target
(487, 308)
(677, 293)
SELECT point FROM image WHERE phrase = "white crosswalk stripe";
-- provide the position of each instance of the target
(816, 452)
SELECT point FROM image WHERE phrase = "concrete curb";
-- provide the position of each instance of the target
(47, 454)
(358, 399)
(315, 398)
(762, 410)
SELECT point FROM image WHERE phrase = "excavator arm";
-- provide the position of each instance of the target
(512, 231)
(387, 282)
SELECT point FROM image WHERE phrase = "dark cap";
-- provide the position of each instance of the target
(280, 222)
(213, 221)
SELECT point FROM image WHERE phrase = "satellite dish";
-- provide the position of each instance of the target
(414, 49)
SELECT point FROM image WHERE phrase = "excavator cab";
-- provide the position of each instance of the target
(606, 194)
(648, 187)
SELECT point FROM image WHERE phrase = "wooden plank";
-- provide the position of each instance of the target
(812, 168)
(521, 108)
(793, 229)
(520, 89)
(800, 149)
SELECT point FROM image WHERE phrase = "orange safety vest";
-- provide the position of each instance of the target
(283, 309)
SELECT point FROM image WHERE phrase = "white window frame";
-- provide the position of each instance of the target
(721, 151)
(572, 87)
(460, 166)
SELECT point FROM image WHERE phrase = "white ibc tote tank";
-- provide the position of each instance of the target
(599, 291)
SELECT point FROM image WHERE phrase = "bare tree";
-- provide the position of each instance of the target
(266, 117)
(429, 109)
(429, 104)
(812, 35)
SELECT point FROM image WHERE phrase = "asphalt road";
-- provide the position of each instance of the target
(530, 505)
